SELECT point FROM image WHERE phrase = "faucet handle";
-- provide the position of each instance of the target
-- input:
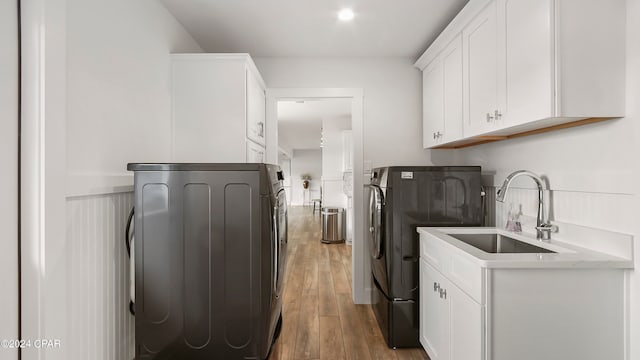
(545, 230)
(548, 228)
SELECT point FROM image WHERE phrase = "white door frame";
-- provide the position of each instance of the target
(361, 267)
(43, 181)
(9, 124)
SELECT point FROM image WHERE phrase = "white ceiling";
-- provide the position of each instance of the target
(300, 123)
(310, 28)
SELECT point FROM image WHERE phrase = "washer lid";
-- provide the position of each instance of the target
(194, 166)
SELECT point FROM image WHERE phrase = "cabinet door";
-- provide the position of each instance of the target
(480, 65)
(466, 326)
(255, 109)
(432, 103)
(434, 313)
(452, 73)
(526, 60)
(255, 152)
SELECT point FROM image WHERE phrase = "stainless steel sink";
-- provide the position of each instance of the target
(499, 244)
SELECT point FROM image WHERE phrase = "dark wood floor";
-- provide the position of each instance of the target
(320, 319)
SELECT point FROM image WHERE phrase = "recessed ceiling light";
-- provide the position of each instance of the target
(346, 14)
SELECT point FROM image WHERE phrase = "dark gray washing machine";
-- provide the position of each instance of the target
(401, 199)
(210, 255)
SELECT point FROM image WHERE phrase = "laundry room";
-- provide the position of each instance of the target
(190, 179)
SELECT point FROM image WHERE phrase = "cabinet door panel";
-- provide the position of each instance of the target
(480, 43)
(434, 313)
(255, 152)
(433, 103)
(255, 109)
(527, 59)
(452, 69)
(466, 326)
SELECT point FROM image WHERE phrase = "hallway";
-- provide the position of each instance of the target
(320, 319)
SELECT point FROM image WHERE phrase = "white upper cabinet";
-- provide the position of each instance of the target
(453, 90)
(533, 65)
(218, 105)
(480, 72)
(527, 59)
(433, 103)
(442, 96)
(255, 152)
(255, 108)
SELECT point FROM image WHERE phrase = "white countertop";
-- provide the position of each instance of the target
(566, 255)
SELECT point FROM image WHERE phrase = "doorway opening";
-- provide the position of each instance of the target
(315, 146)
(331, 118)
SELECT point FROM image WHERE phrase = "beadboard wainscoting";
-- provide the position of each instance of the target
(98, 275)
(490, 206)
(606, 211)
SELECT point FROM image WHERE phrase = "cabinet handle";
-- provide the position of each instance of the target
(261, 129)
(498, 115)
(439, 134)
(436, 286)
(490, 117)
(443, 294)
(435, 136)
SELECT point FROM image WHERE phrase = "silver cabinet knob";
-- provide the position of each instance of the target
(443, 294)
(490, 117)
(498, 115)
(261, 129)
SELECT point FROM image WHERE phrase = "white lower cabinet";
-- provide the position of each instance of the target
(469, 311)
(450, 321)
(434, 313)
(466, 326)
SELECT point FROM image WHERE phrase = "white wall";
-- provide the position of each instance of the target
(9, 174)
(119, 99)
(392, 99)
(97, 86)
(119, 111)
(305, 162)
(593, 170)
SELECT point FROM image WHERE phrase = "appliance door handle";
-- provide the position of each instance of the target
(276, 248)
(376, 201)
(277, 242)
(129, 240)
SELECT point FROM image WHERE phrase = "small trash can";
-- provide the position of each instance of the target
(332, 227)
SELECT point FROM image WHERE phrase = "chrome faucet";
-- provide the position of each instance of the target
(543, 228)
